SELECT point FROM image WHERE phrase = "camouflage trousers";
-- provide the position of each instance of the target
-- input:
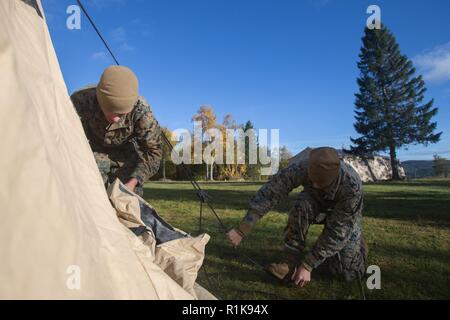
(349, 262)
(114, 166)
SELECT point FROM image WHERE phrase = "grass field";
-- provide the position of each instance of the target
(406, 225)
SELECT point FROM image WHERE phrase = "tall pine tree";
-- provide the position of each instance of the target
(389, 110)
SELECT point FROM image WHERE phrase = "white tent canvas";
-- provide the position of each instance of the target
(59, 237)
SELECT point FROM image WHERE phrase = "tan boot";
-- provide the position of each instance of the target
(284, 269)
(280, 270)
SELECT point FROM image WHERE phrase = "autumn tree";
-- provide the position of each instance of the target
(207, 117)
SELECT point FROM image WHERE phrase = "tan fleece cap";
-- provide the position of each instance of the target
(118, 89)
(324, 166)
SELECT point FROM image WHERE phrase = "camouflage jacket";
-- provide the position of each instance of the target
(342, 202)
(137, 132)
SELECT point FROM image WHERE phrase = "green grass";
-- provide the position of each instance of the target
(406, 225)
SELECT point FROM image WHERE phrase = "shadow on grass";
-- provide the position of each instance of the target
(416, 279)
(412, 253)
(407, 271)
(410, 272)
(239, 278)
(408, 205)
(438, 183)
(221, 199)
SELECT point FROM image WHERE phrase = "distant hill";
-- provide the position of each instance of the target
(418, 168)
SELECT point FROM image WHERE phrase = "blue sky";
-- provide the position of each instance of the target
(281, 64)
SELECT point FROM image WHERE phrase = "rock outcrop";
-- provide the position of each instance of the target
(370, 169)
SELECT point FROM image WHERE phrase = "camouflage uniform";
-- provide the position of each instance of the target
(340, 206)
(130, 148)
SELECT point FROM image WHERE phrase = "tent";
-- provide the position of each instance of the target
(60, 236)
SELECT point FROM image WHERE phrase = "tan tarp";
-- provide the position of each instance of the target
(179, 255)
(58, 228)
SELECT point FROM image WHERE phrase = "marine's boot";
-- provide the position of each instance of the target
(284, 269)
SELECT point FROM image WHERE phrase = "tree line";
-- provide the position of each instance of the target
(217, 171)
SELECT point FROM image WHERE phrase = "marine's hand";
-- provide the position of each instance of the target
(301, 276)
(131, 184)
(234, 237)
